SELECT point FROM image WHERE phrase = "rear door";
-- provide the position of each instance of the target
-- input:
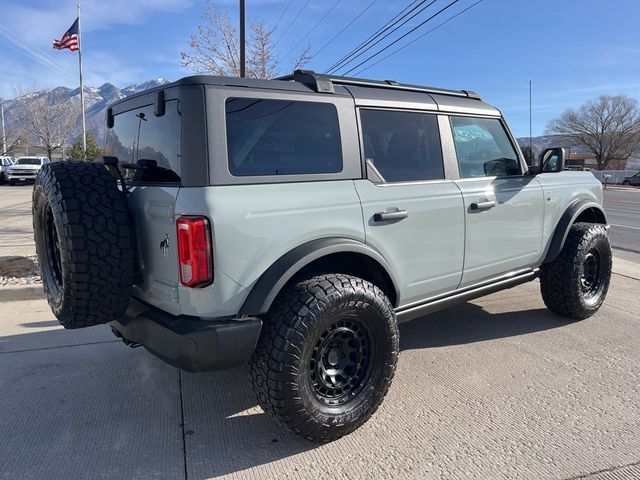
(503, 208)
(412, 215)
(149, 147)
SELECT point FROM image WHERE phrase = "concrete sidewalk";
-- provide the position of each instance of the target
(16, 234)
(495, 389)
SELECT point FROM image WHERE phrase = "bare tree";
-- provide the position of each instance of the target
(215, 48)
(50, 119)
(609, 127)
(13, 137)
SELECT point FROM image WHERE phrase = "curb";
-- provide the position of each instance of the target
(15, 293)
(626, 268)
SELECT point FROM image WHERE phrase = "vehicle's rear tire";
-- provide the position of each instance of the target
(326, 356)
(576, 283)
(84, 243)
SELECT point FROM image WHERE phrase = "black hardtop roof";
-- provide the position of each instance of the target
(307, 81)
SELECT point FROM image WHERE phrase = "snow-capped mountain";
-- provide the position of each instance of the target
(96, 100)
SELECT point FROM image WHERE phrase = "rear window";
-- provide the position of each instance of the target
(148, 143)
(279, 137)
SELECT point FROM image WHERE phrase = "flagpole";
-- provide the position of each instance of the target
(84, 125)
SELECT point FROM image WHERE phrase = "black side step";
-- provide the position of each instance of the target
(440, 303)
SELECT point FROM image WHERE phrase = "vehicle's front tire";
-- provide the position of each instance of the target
(576, 283)
(11, 183)
(326, 356)
(626, 182)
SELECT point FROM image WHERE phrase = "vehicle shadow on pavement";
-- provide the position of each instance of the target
(469, 323)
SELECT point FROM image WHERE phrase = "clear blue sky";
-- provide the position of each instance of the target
(572, 50)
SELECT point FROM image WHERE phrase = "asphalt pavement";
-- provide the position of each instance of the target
(622, 206)
(16, 229)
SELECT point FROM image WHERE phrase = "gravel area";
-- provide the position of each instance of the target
(26, 273)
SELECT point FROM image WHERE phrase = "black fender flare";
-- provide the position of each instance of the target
(271, 282)
(568, 218)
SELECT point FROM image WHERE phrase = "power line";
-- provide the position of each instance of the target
(403, 36)
(402, 21)
(357, 51)
(291, 23)
(343, 30)
(282, 15)
(312, 29)
(418, 38)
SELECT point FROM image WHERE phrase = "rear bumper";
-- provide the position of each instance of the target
(190, 343)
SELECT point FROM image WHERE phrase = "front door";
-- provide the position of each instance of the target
(503, 208)
(412, 215)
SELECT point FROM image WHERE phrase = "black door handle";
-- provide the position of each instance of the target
(483, 205)
(386, 216)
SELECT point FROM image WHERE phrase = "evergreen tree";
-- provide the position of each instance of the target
(75, 152)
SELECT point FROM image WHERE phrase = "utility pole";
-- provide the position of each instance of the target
(242, 40)
(530, 127)
(4, 136)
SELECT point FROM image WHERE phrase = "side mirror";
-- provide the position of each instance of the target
(553, 159)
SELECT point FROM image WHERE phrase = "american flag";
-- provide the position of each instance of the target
(69, 39)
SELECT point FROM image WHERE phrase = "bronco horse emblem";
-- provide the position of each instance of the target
(164, 245)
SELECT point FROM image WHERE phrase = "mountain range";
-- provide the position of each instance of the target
(96, 100)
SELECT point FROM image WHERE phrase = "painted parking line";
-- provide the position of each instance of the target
(624, 226)
(609, 209)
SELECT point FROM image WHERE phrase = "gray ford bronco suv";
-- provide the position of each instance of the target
(294, 222)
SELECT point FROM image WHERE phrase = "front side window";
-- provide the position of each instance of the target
(148, 145)
(402, 146)
(279, 137)
(483, 148)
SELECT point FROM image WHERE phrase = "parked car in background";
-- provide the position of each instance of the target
(5, 163)
(25, 168)
(632, 180)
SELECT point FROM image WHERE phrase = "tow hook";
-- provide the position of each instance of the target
(126, 341)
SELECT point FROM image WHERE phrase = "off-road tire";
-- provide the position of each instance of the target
(83, 239)
(295, 332)
(575, 284)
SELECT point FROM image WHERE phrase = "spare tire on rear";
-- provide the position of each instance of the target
(84, 243)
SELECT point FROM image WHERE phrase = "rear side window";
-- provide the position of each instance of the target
(279, 137)
(402, 146)
(150, 144)
(483, 148)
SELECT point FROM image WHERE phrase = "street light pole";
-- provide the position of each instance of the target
(242, 40)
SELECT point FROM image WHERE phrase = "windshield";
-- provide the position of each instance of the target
(28, 161)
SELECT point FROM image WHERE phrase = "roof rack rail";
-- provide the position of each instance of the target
(324, 84)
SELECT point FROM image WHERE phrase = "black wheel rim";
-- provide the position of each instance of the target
(52, 247)
(340, 363)
(591, 274)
